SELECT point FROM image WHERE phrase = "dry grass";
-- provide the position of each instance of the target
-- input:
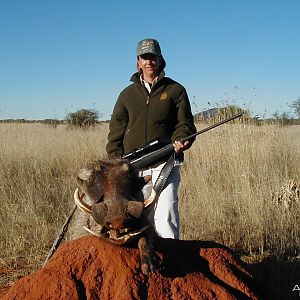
(38, 167)
(235, 169)
(228, 179)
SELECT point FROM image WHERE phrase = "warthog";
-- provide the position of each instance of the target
(110, 193)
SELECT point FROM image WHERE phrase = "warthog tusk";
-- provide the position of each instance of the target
(139, 231)
(81, 204)
(91, 231)
(117, 240)
(151, 199)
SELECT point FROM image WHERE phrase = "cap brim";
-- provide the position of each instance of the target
(148, 52)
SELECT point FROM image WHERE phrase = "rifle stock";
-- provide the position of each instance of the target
(153, 156)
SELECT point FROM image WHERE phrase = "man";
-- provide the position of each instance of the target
(153, 107)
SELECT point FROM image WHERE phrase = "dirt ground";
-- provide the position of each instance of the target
(90, 268)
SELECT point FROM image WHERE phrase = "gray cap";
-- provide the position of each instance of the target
(148, 46)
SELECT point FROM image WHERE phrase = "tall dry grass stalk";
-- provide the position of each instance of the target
(225, 195)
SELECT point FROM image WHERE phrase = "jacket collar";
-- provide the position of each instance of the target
(136, 77)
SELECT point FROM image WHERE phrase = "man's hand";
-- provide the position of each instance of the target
(179, 147)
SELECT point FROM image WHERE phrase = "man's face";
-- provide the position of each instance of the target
(149, 63)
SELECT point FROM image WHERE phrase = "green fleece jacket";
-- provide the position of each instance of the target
(139, 117)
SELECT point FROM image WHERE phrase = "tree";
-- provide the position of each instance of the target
(51, 122)
(296, 106)
(83, 118)
(230, 110)
(282, 118)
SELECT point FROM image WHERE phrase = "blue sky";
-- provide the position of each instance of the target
(57, 56)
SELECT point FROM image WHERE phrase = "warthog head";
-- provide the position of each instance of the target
(110, 191)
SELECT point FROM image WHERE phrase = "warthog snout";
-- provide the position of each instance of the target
(125, 214)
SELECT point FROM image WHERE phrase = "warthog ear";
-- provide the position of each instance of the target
(99, 212)
(125, 167)
(86, 177)
(85, 173)
(135, 208)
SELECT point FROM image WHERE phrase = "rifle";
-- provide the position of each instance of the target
(151, 152)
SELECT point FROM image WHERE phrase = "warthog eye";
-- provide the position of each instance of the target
(101, 199)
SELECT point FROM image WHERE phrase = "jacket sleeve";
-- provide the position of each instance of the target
(117, 129)
(185, 120)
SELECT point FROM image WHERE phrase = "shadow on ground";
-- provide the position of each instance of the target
(278, 277)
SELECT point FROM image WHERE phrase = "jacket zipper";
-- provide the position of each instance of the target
(146, 118)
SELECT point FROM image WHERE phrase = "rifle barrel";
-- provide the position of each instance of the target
(211, 127)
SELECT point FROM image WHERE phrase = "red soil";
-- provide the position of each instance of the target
(90, 268)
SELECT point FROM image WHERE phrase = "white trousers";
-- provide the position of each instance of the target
(165, 213)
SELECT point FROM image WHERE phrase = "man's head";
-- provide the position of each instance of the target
(150, 60)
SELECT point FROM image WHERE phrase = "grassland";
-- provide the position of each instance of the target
(239, 188)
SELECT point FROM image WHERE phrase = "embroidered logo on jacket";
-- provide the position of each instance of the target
(163, 96)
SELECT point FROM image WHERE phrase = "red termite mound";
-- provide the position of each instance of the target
(90, 268)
